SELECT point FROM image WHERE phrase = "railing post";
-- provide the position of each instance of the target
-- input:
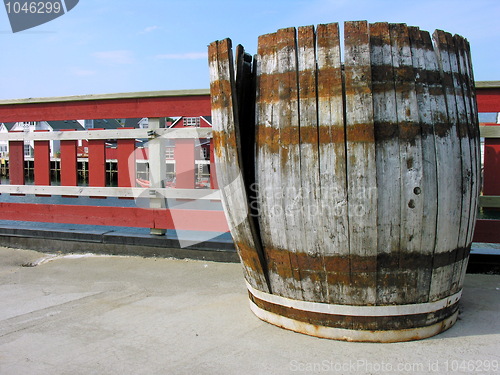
(42, 161)
(126, 162)
(16, 162)
(157, 170)
(69, 167)
(491, 179)
(97, 161)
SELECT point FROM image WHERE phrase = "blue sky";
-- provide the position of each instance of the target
(109, 46)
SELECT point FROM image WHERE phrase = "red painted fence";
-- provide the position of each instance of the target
(152, 105)
(488, 100)
(156, 104)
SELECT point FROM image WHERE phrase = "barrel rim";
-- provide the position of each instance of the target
(386, 336)
(357, 310)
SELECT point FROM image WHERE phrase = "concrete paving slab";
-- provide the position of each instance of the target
(132, 315)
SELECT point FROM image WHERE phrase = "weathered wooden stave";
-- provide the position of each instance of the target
(402, 107)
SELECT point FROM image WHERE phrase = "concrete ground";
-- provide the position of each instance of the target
(131, 315)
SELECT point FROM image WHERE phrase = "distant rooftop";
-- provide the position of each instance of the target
(106, 124)
(65, 125)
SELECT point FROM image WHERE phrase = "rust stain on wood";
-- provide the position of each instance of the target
(223, 140)
(218, 92)
(249, 256)
(388, 262)
(268, 136)
(361, 133)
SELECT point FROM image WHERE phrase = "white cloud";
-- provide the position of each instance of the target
(119, 57)
(183, 56)
(149, 29)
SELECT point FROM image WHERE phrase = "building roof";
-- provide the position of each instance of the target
(106, 124)
(9, 125)
(65, 125)
(132, 122)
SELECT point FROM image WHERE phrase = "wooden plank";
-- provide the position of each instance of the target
(486, 85)
(245, 89)
(213, 169)
(473, 122)
(361, 163)
(470, 147)
(212, 221)
(42, 162)
(489, 201)
(245, 132)
(16, 162)
(411, 164)
(288, 222)
(121, 133)
(449, 162)
(69, 169)
(491, 179)
(487, 100)
(422, 51)
(126, 162)
(97, 162)
(332, 159)
(112, 96)
(465, 152)
(473, 125)
(225, 118)
(487, 231)
(119, 192)
(388, 163)
(314, 280)
(490, 131)
(268, 179)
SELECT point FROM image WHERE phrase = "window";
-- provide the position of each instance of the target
(89, 124)
(205, 153)
(27, 150)
(144, 123)
(170, 152)
(27, 125)
(192, 121)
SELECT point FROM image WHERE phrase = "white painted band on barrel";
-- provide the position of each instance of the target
(350, 334)
(351, 310)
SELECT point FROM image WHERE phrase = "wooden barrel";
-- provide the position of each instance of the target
(350, 188)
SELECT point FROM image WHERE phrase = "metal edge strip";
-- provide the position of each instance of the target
(353, 335)
(351, 310)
